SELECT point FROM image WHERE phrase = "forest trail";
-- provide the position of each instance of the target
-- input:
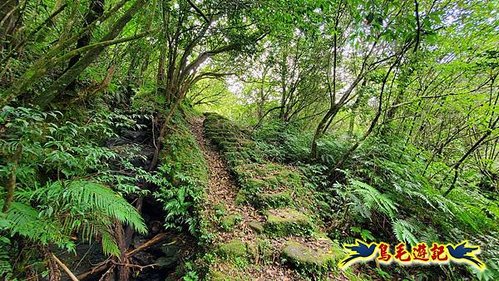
(221, 194)
(222, 190)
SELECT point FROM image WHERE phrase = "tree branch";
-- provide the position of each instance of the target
(198, 11)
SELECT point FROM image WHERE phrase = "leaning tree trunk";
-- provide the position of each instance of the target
(95, 11)
(319, 131)
(71, 74)
(51, 59)
(9, 17)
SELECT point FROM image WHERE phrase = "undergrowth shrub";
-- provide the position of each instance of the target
(263, 183)
(67, 183)
(386, 181)
(387, 192)
(283, 142)
(183, 174)
(289, 143)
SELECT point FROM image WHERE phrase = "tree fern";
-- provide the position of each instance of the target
(5, 266)
(26, 221)
(94, 198)
(109, 244)
(63, 209)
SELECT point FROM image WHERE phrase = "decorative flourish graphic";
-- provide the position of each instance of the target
(465, 253)
(359, 251)
(420, 253)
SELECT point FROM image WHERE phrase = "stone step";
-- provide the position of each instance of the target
(287, 222)
(256, 226)
(319, 255)
(233, 249)
(272, 200)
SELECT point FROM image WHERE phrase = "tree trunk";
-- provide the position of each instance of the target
(333, 107)
(373, 122)
(11, 180)
(284, 97)
(50, 60)
(9, 16)
(319, 131)
(95, 11)
(123, 272)
(477, 144)
(71, 74)
(162, 133)
(160, 76)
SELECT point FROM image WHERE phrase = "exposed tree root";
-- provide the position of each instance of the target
(65, 268)
(100, 267)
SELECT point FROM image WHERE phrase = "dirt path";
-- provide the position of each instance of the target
(222, 191)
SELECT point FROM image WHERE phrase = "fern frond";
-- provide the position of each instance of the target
(374, 199)
(5, 265)
(102, 199)
(94, 199)
(25, 221)
(83, 207)
(403, 231)
(109, 245)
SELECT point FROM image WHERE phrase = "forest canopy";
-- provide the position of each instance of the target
(214, 139)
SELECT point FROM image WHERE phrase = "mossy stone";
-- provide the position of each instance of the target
(255, 185)
(226, 274)
(291, 179)
(286, 222)
(273, 200)
(171, 255)
(306, 258)
(228, 222)
(241, 197)
(252, 250)
(256, 226)
(233, 249)
(218, 276)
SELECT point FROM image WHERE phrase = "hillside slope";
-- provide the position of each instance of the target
(259, 213)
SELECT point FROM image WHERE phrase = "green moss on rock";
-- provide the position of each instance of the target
(256, 226)
(286, 222)
(219, 276)
(181, 150)
(255, 185)
(226, 272)
(267, 177)
(241, 197)
(228, 222)
(306, 258)
(233, 249)
(273, 200)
